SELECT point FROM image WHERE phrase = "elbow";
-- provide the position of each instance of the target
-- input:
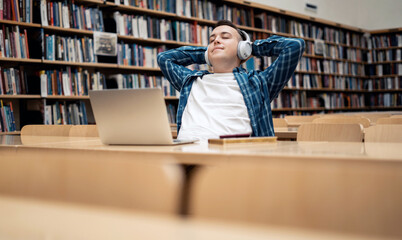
(302, 46)
(160, 58)
(297, 46)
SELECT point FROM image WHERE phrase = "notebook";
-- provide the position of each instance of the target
(132, 117)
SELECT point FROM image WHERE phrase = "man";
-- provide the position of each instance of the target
(231, 100)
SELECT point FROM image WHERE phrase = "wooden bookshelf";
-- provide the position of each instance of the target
(20, 96)
(357, 45)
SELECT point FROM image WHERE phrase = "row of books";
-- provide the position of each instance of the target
(313, 81)
(239, 16)
(334, 52)
(341, 100)
(147, 27)
(7, 120)
(389, 40)
(305, 29)
(133, 81)
(16, 10)
(203, 9)
(138, 55)
(374, 56)
(70, 82)
(66, 15)
(385, 100)
(389, 83)
(326, 100)
(62, 113)
(70, 49)
(13, 81)
(330, 66)
(13, 42)
(171, 111)
(384, 69)
(158, 5)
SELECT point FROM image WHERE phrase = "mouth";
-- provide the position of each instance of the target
(217, 48)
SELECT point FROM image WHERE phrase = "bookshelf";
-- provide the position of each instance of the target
(341, 70)
(384, 69)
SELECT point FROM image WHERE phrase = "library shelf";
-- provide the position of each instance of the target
(22, 24)
(386, 76)
(387, 62)
(386, 31)
(143, 11)
(330, 74)
(382, 108)
(383, 91)
(139, 68)
(20, 60)
(323, 90)
(20, 96)
(386, 48)
(68, 30)
(347, 108)
(61, 97)
(11, 133)
(331, 59)
(304, 109)
(153, 41)
(81, 64)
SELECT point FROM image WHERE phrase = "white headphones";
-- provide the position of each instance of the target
(244, 48)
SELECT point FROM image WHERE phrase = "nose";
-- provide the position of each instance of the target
(217, 40)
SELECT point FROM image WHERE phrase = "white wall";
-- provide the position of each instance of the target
(366, 14)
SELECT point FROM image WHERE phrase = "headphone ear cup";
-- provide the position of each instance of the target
(206, 58)
(244, 50)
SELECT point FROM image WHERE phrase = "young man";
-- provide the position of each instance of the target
(230, 100)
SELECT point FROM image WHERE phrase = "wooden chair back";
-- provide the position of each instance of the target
(389, 120)
(374, 116)
(343, 132)
(280, 122)
(365, 122)
(46, 130)
(84, 131)
(384, 133)
(295, 121)
(80, 178)
(313, 194)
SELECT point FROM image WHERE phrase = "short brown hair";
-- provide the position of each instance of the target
(230, 24)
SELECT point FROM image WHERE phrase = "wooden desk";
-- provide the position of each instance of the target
(199, 153)
(33, 219)
(355, 164)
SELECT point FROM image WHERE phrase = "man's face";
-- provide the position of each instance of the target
(223, 44)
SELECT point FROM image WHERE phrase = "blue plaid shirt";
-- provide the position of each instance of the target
(258, 88)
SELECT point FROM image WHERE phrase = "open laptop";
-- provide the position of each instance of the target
(132, 116)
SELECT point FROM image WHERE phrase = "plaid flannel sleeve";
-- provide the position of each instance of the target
(288, 52)
(173, 63)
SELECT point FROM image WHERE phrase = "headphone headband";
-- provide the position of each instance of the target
(244, 35)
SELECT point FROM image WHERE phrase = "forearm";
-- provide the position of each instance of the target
(288, 52)
(277, 46)
(173, 62)
(183, 56)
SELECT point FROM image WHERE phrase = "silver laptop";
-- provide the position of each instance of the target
(132, 116)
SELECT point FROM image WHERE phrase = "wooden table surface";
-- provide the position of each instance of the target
(204, 153)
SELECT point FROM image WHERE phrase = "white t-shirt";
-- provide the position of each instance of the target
(215, 107)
